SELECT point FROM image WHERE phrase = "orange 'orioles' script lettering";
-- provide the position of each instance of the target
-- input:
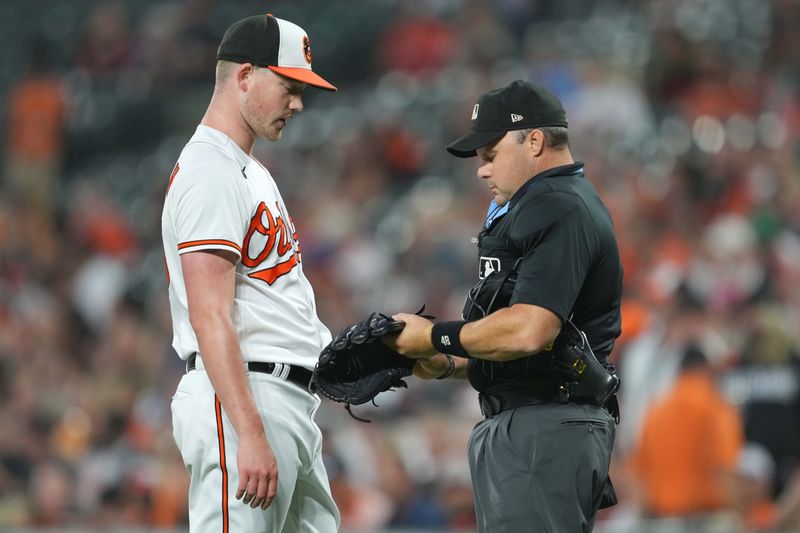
(279, 234)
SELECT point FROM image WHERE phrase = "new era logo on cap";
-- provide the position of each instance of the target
(526, 104)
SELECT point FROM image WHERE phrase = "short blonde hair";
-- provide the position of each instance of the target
(223, 71)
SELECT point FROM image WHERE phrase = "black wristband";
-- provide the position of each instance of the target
(446, 338)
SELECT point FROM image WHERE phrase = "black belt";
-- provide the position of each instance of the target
(497, 402)
(297, 374)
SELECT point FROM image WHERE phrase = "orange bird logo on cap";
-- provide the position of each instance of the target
(307, 48)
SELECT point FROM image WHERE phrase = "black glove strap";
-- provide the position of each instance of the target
(446, 338)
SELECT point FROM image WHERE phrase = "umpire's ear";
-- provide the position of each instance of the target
(535, 142)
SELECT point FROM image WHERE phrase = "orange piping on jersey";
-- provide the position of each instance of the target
(222, 464)
(189, 244)
(172, 176)
(273, 273)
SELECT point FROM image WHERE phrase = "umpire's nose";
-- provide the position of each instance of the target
(485, 170)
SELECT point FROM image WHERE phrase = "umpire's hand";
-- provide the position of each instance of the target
(415, 339)
(432, 367)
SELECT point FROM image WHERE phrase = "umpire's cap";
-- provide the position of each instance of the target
(517, 106)
(277, 44)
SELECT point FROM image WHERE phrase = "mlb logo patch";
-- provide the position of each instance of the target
(488, 265)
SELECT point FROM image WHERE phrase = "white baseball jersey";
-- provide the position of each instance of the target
(221, 198)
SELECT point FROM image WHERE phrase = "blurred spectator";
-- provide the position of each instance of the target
(50, 495)
(695, 119)
(361, 508)
(417, 43)
(690, 443)
(650, 362)
(105, 50)
(36, 122)
(193, 54)
(765, 386)
(755, 471)
(416, 506)
(787, 514)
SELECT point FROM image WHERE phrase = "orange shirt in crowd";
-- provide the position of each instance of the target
(761, 515)
(691, 439)
(36, 119)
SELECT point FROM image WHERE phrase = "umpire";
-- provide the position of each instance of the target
(548, 260)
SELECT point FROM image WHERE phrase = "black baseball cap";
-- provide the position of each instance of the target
(517, 106)
(277, 44)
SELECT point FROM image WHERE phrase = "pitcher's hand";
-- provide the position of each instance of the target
(258, 471)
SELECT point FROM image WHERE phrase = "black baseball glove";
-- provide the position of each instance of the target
(356, 366)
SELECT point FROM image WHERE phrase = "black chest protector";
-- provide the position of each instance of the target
(498, 263)
(567, 369)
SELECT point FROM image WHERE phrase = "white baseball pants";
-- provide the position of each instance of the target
(208, 444)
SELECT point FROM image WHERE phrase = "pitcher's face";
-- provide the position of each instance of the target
(269, 102)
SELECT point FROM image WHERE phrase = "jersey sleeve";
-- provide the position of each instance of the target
(209, 209)
(555, 238)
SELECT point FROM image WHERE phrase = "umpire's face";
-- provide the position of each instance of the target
(506, 165)
(269, 101)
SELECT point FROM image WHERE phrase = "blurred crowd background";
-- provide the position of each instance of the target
(686, 113)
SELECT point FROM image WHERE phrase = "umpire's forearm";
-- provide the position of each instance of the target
(460, 371)
(510, 333)
(438, 365)
(461, 368)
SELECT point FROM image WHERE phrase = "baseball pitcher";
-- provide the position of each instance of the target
(243, 312)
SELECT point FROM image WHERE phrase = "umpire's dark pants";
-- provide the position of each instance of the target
(540, 468)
